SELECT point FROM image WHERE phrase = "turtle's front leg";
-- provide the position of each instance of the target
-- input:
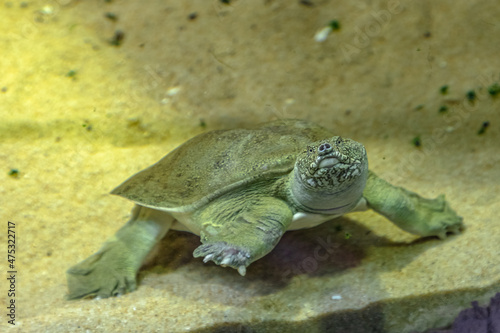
(112, 270)
(411, 212)
(237, 231)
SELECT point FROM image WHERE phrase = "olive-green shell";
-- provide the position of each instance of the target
(217, 162)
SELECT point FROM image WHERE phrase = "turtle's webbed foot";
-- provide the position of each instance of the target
(430, 217)
(440, 218)
(451, 229)
(99, 276)
(224, 254)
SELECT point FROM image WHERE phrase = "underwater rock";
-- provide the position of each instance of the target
(478, 319)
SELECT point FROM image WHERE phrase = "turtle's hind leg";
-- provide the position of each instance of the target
(112, 270)
(237, 231)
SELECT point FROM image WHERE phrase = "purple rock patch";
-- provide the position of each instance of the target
(478, 319)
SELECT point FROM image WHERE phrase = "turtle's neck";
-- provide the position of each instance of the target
(338, 200)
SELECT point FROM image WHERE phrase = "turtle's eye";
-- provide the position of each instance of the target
(339, 141)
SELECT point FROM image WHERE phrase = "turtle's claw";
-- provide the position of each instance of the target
(208, 258)
(453, 229)
(242, 270)
(224, 254)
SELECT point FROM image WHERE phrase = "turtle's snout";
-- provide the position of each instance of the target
(324, 149)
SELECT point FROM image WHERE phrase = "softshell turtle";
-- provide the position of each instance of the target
(240, 190)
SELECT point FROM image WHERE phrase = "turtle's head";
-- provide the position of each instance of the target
(330, 175)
